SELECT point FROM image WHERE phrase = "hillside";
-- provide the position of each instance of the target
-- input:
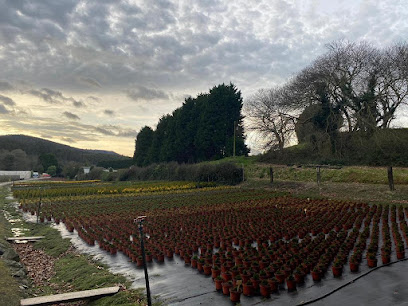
(385, 147)
(34, 146)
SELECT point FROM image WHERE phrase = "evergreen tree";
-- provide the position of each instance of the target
(202, 129)
(143, 143)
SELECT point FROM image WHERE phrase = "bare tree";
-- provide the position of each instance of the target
(366, 84)
(269, 116)
(392, 83)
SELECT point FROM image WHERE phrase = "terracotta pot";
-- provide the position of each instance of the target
(299, 278)
(372, 262)
(215, 272)
(401, 255)
(139, 262)
(273, 285)
(226, 287)
(291, 284)
(235, 295)
(280, 277)
(194, 263)
(169, 254)
(255, 283)
(385, 259)
(160, 257)
(316, 275)
(337, 271)
(218, 284)
(226, 276)
(265, 290)
(207, 269)
(247, 289)
(353, 266)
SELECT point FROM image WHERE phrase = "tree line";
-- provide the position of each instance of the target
(353, 90)
(206, 127)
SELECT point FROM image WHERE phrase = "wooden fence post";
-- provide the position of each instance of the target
(318, 175)
(391, 179)
(271, 174)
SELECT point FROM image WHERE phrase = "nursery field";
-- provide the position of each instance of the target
(246, 243)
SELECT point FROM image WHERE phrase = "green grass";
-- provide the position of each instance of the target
(351, 174)
(9, 291)
(368, 193)
(83, 274)
(53, 244)
(124, 298)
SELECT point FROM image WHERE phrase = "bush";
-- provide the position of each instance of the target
(222, 173)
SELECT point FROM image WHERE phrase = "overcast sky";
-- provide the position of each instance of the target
(92, 73)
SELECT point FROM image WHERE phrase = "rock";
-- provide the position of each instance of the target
(10, 254)
(19, 273)
(13, 264)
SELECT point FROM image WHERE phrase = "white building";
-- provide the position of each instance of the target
(24, 175)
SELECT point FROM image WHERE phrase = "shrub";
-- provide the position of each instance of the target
(222, 173)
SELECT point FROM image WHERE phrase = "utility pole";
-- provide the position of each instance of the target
(139, 220)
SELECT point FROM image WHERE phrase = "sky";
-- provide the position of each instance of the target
(91, 73)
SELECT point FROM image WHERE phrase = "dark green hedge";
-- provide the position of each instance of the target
(222, 173)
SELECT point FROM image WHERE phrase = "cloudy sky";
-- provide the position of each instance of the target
(91, 73)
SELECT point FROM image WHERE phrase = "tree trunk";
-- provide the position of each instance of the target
(271, 174)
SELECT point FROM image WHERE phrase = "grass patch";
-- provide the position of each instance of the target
(53, 244)
(80, 272)
(9, 291)
(124, 298)
(368, 193)
(83, 274)
(354, 174)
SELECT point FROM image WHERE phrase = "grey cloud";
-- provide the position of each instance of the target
(115, 130)
(7, 100)
(4, 86)
(96, 99)
(91, 81)
(54, 97)
(71, 116)
(144, 93)
(68, 139)
(104, 131)
(109, 112)
(42, 95)
(127, 133)
(3, 109)
(78, 103)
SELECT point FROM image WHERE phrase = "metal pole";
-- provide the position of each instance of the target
(140, 223)
(39, 205)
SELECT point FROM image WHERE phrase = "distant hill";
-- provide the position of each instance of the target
(36, 146)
